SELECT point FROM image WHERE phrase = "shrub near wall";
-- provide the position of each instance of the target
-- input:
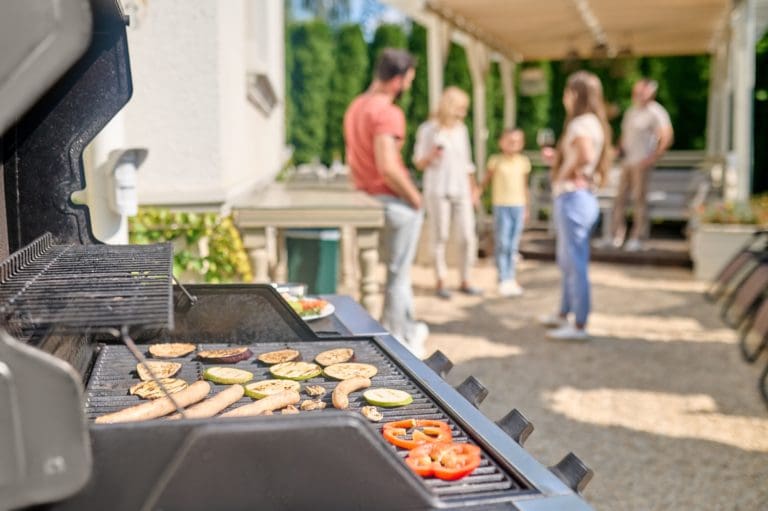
(313, 63)
(418, 112)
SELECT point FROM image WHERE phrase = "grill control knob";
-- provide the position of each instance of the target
(473, 390)
(516, 425)
(573, 472)
(439, 363)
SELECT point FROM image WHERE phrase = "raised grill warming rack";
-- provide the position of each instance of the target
(77, 288)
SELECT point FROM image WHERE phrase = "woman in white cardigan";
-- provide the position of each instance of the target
(443, 153)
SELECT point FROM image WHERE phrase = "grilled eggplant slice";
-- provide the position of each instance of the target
(225, 355)
(159, 369)
(278, 357)
(337, 356)
(371, 413)
(262, 389)
(227, 375)
(387, 398)
(350, 370)
(152, 390)
(315, 390)
(298, 371)
(171, 349)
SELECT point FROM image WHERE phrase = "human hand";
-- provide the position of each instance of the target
(526, 215)
(476, 194)
(548, 155)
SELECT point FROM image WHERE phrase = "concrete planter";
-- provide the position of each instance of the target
(713, 245)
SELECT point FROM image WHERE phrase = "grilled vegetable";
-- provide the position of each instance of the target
(278, 357)
(159, 369)
(262, 389)
(227, 375)
(298, 371)
(337, 356)
(151, 389)
(444, 461)
(371, 413)
(420, 431)
(350, 370)
(213, 405)
(267, 405)
(158, 407)
(312, 404)
(342, 391)
(289, 410)
(314, 390)
(225, 355)
(171, 349)
(388, 398)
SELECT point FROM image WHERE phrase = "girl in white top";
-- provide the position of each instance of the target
(442, 152)
(579, 163)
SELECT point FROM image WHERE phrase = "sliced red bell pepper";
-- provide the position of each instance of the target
(421, 431)
(444, 461)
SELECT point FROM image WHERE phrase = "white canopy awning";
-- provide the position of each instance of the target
(553, 29)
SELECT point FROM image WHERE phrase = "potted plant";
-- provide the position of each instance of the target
(721, 228)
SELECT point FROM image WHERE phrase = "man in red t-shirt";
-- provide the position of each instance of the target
(374, 132)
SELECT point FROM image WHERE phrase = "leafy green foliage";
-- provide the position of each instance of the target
(760, 175)
(348, 80)
(192, 234)
(533, 111)
(494, 108)
(419, 107)
(313, 63)
(457, 73)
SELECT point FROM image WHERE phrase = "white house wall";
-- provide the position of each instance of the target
(189, 60)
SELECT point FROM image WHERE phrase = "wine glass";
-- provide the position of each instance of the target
(545, 137)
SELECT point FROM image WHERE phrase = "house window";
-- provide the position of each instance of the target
(261, 93)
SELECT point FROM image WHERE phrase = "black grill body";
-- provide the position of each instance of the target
(315, 460)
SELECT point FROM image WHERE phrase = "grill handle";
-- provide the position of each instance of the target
(573, 472)
(439, 363)
(474, 391)
(516, 425)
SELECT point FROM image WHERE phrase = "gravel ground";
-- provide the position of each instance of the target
(658, 403)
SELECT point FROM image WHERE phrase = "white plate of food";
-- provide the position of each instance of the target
(310, 308)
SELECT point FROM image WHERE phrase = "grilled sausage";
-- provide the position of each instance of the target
(213, 405)
(159, 407)
(341, 393)
(269, 403)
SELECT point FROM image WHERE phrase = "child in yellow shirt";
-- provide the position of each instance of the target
(507, 173)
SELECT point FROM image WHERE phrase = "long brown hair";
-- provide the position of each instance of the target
(587, 98)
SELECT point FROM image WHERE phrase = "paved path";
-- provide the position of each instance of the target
(658, 403)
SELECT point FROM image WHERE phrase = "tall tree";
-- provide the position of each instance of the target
(313, 63)
(760, 175)
(533, 111)
(418, 112)
(457, 73)
(349, 79)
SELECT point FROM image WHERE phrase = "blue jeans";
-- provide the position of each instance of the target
(575, 216)
(402, 227)
(508, 224)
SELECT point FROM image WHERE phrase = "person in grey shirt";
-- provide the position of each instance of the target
(646, 133)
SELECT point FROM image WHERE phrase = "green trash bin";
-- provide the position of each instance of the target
(313, 258)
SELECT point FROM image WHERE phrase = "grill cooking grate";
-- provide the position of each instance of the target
(77, 287)
(114, 373)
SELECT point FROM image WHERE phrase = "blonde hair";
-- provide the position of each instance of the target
(588, 98)
(451, 97)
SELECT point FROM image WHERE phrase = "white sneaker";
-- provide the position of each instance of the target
(418, 338)
(553, 320)
(633, 245)
(604, 243)
(568, 333)
(508, 288)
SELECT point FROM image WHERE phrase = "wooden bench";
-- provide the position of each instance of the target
(677, 186)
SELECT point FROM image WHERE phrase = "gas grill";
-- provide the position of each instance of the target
(77, 315)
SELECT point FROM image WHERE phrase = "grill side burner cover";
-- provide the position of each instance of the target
(42, 153)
